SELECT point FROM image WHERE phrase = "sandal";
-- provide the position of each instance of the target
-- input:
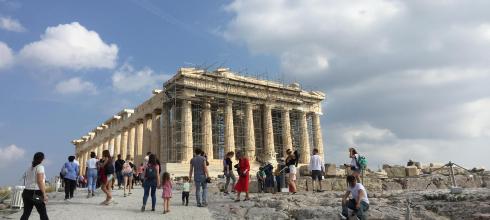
(237, 200)
(246, 199)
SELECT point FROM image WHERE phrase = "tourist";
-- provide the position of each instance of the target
(91, 172)
(167, 192)
(291, 161)
(260, 179)
(34, 193)
(141, 170)
(127, 173)
(200, 170)
(269, 178)
(70, 172)
(278, 178)
(317, 168)
(151, 182)
(205, 156)
(106, 172)
(228, 172)
(359, 202)
(243, 173)
(118, 165)
(186, 189)
(354, 165)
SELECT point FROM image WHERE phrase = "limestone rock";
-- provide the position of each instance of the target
(304, 170)
(396, 172)
(330, 170)
(412, 171)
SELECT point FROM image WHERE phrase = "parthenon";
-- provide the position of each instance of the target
(218, 111)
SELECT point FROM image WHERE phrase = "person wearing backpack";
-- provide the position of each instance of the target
(151, 182)
(354, 164)
(70, 172)
(127, 172)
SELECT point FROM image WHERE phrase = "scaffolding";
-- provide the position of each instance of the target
(176, 94)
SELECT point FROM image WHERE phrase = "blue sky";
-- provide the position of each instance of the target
(404, 80)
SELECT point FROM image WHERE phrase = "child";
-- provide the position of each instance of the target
(167, 192)
(186, 188)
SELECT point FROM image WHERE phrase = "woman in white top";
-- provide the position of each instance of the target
(91, 172)
(35, 192)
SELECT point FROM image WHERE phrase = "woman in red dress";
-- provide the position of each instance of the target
(244, 174)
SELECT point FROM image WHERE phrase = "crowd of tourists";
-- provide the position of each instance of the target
(104, 171)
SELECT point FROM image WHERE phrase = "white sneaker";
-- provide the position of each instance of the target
(342, 216)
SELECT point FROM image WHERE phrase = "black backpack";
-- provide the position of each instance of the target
(150, 173)
(109, 169)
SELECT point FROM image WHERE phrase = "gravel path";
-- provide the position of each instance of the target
(125, 207)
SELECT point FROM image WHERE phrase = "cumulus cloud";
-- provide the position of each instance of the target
(76, 85)
(6, 56)
(70, 46)
(10, 153)
(413, 74)
(128, 79)
(10, 24)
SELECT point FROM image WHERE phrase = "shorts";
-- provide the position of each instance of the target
(316, 175)
(109, 178)
(130, 174)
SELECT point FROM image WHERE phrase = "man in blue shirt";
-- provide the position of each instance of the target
(70, 173)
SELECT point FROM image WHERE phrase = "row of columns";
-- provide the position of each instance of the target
(140, 137)
(269, 153)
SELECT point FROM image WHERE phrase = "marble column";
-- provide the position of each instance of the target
(207, 131)
(124, 143)
(100, 149)
(147, 134)
(304, 140)
(117, 145)
(229, 127)
(269, 154)
(106, 146)
(249, 132)
(165, 143)
(111, 144)
(317, 134)
(287, 141)
(139, 142)
(187, 142)
(155, 132)
(131, 140)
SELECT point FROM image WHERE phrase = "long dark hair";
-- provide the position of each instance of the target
(152, 159)
(107, 153)
(166, 177)
(38, 159)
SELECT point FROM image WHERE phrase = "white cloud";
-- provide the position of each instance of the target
(11, 24)
(6, 56)
(475, 118)
(70, 46)
(9, 154)
(76, 85)
(127, 79)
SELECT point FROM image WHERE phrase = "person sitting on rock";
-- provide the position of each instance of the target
(359, 202)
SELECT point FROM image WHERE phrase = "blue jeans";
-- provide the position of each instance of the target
(92, 179)
(351, 204)
(200, 181)
(147, 185)
(120, 178)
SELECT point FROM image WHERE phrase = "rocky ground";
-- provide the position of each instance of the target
(428, 204)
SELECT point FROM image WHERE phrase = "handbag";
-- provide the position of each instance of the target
(36, 199)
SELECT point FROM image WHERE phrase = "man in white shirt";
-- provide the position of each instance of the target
(359, 202)
(317, 168)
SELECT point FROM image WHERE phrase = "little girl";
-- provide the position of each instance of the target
(167, 192)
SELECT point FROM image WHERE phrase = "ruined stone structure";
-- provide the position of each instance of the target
(216, 111)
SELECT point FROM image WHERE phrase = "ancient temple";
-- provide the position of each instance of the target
(218, 111)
